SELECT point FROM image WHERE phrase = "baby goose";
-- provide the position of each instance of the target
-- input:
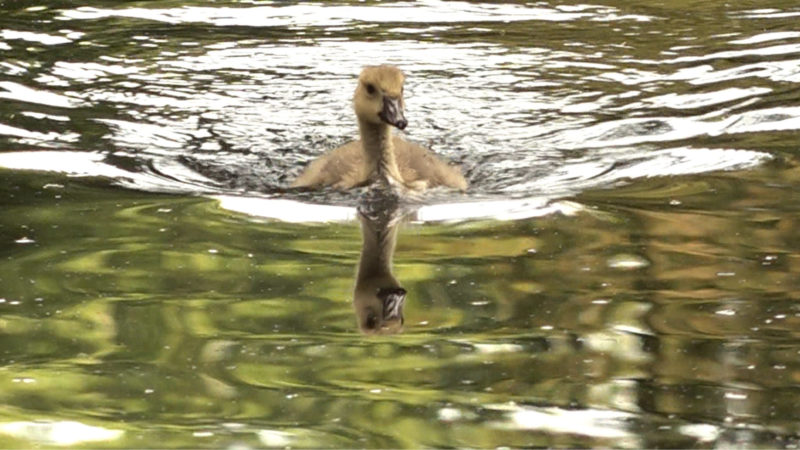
(378, 104)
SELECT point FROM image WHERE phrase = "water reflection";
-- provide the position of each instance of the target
(378, 297)
(638, 290)
(556, 330)
(60, 433)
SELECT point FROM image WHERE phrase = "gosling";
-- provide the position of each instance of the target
(378, 104)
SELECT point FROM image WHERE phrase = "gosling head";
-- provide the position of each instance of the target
(379, 96)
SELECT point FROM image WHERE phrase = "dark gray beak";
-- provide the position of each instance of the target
(392, 113)
(393, 300)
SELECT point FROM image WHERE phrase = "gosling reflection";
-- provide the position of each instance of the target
(378, 297)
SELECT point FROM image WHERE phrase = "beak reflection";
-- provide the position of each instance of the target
(393, 299)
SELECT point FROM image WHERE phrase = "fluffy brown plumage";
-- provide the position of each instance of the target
(378, 104)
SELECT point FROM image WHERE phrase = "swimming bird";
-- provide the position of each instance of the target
(377, 155)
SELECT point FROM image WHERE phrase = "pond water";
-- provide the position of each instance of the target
(624, 270)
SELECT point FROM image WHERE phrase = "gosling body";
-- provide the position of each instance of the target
(378, 155)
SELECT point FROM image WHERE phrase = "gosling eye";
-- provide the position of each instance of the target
(370, 88)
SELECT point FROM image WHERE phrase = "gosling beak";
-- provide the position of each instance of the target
(393, 299)
(392, 113)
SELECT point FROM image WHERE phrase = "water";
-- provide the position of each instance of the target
(622, 271)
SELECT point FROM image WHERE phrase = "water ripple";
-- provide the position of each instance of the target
(527, 105)
(14, 91)
(41, 38)
(305, 15)
(766, 37)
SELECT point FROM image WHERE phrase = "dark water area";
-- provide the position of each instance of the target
(623, 271)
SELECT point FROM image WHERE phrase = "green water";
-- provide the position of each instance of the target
(176, 323)
(624, 270)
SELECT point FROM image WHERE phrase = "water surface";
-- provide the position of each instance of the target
(622, 271)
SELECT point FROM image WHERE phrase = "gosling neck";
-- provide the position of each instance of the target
(379, 150)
